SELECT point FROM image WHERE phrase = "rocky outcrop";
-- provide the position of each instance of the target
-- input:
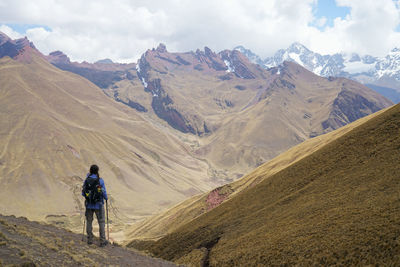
(348, 107)
(104, 61)
(130, 103)
(217, 196)
(237, 63)
(161, 48)
(101, 78)
(182, 61)
(16, 49)
(58, 57)
(162, 105)
(103, 73)
(211, 59)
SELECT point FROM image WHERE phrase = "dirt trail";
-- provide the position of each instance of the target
(23, 242)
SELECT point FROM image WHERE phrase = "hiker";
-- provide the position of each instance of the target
(95, 192)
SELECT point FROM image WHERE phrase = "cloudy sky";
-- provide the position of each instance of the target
(123, 29)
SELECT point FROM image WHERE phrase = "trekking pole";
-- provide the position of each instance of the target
(108, 229)
(83, 230)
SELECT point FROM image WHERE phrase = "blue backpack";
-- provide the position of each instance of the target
(92, 190)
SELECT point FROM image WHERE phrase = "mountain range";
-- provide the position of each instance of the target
(380, 73)
(209, 95)
(168, 127)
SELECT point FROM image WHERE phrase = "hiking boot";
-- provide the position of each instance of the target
(103, 243)
(90, 242)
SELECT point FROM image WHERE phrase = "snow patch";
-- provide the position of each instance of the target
(144, 82)
(296, 58)
(318, 70)
(229, 66)
(138, 67)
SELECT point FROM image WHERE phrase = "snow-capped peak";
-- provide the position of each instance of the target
(249, 54)
(348, 65)
(395, 50)
(298, 48)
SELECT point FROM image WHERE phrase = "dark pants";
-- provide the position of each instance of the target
(100, 219)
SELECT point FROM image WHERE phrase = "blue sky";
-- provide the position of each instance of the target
(330, 10)
(22, 28)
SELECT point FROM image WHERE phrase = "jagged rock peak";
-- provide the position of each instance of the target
(57, 53)
(161, 48)
(58, 57)
(104, 61)
(208, 52)
(21, 48)
(24, 42)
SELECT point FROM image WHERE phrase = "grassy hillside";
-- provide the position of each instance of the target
(339, 205)
(166, 222)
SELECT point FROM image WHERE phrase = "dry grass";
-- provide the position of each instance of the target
(339, 205)
(164, 223)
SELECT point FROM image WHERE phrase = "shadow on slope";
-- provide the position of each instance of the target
(339, 205)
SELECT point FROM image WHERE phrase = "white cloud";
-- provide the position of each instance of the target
(10, 32)
(123, 29)
(321, 22)
(370, 28)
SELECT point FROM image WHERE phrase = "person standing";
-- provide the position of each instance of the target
(94, 191)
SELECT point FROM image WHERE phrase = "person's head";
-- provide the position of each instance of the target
(94, 169)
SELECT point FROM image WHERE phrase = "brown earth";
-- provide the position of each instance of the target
(26, 243)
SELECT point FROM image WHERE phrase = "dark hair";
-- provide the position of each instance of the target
(94, 169)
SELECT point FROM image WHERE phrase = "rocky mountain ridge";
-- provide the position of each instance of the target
(210, 95)
(380, 71)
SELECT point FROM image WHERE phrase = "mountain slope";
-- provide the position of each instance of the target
(54, 124)
(294, 106)
(206, 96)
(339, 205)
(166, 222)
(25, 243)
